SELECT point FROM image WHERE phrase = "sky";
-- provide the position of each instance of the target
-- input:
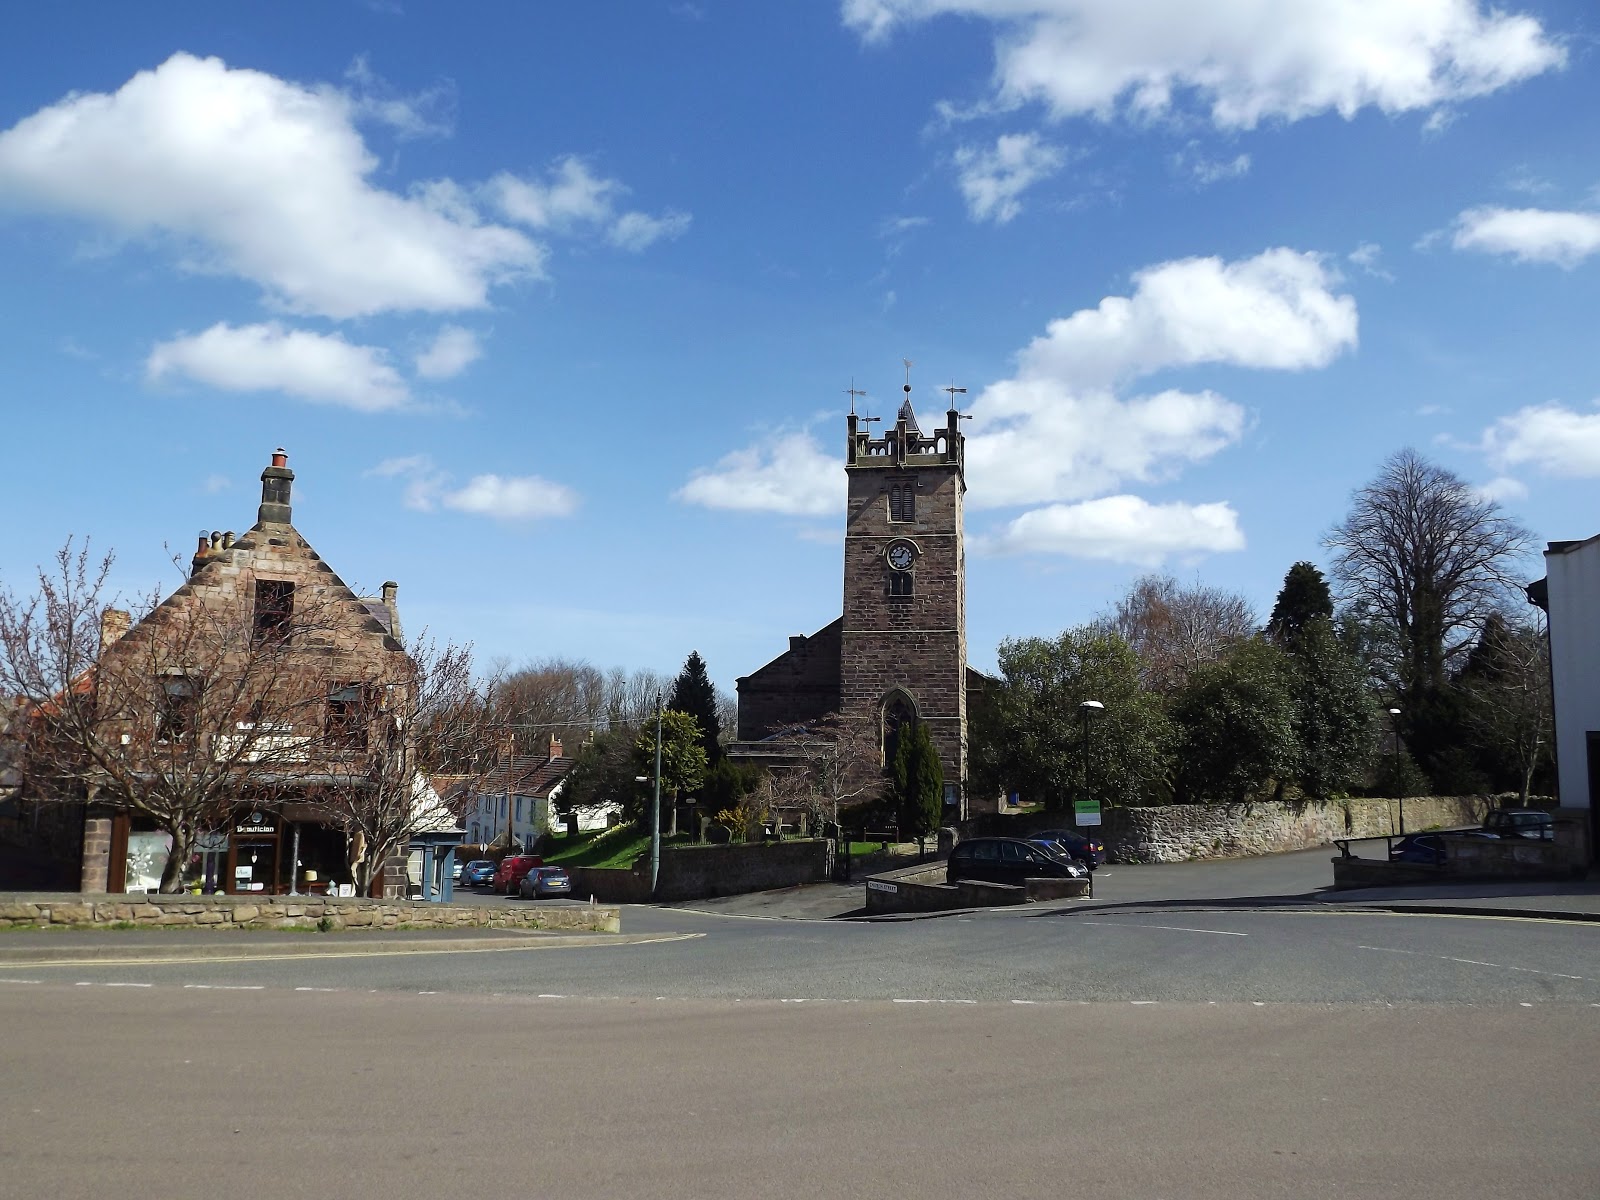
(555, 306)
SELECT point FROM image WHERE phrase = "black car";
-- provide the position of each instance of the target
(1007, 860)
(1521, 823)
(1087, 850)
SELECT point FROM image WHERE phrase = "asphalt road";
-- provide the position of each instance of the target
(1022, 1052)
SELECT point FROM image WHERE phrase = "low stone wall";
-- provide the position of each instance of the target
(1181, 832)
(611, 885)
(293, 912)
(698, 872)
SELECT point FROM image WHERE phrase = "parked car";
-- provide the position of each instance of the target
(545, 883)
(478, 873)
(1087, 850)
(1008, 860)
(1423, 848)
(1521, 823)
(511, 870)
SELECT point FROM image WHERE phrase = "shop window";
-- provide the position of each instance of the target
(348, 716)
(178, 714)
(274, 610)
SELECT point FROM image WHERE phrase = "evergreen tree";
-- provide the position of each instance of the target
(1334, 711)
(1304, 597)
(1236, 724)
(694, 693)
(916, 780)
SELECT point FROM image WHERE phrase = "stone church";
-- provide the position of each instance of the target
(898, 652)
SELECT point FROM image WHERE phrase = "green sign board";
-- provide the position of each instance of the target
(1086, 812)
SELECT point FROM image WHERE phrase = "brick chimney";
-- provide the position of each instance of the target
(275, 484)
(555, 747)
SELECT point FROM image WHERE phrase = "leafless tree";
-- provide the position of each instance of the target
(1507, 687)
(1430, 558)
(422, 716)
(191, 708)
(1176, 629)
(837, 761)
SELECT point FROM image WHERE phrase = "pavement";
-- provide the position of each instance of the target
(1300, 879)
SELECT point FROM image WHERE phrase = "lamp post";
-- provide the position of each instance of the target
(655, 810)
(1399, 787)
(1086, 710)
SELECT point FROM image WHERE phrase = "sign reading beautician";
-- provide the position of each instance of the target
(257, 822)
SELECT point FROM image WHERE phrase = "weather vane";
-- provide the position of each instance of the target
(854, 391)
(907, 362)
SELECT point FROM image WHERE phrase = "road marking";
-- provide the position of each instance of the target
(1476, 962)
(21, 981)
(225, 987)
(316, 989)
(1168, 928)
(315, 952)
(1144, 1002)
(145, 985)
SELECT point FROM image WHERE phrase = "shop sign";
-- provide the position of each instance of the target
(258, 823)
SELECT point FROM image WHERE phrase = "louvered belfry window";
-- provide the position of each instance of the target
(902, 502)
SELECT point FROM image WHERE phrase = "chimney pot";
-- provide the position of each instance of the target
(280, 457)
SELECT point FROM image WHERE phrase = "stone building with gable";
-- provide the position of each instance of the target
(287, 732)
(898, 651)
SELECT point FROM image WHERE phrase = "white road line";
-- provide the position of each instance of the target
(1144, 1002)
(21, 981)
(316, 989)
(1475, 962)
(144, 985)
(1168, 928)
(226, 987)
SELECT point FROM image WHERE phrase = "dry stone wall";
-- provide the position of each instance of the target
(1181, 832)
(294, 912)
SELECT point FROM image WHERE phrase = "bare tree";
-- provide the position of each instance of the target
(839, 760)
(1175, 630)
(1506, 683)
(422, 716)
(176, 710)
(1429, 557)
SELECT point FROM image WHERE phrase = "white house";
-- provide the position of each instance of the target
(1570, 595)
(518, 799)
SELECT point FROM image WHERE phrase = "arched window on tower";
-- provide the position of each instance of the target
(898, 713)
(901, 583)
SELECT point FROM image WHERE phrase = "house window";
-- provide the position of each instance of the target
(900, 583)
(274, 609)
(903, 502)
(348, 716)
(519, 808)
(178, 714)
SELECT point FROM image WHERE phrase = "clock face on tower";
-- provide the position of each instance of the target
(900, 555)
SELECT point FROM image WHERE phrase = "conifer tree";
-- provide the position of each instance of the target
(694, 693)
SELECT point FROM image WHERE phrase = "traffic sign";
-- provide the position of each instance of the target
(1086, 812)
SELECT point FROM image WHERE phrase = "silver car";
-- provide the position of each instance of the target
(545, 883)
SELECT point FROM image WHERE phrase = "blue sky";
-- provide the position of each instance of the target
(555, 305)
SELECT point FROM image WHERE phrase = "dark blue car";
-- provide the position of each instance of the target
(478, 873)
(1091, 852)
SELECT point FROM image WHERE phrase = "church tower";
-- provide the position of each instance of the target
(903, 651)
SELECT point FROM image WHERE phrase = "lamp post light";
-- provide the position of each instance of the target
(1399, 787)
(655, 810)
(1086, 710)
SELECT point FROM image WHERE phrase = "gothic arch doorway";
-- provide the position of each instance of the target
(897, 712)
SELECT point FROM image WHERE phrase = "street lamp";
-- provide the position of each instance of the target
(1086, 710)
(655, 810)
(1399, 787)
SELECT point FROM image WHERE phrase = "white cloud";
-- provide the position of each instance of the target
(450, 353)
(428, 113)
(574, 199)
(1532, 235)
(1275, 310)
(511, 498)
(261, 178)
(1368, 256)
(789, 474)
(991, 180)
(214, 484)
(1206, 171)
(1548, 437)
(573, 196)
(1502, 489)
(1243, 61)
(322, 368)
(1058, 429)
(1120, 528)
(636, 230)
(504, 497)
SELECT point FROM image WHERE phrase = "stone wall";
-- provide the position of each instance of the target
(611, 885)
(698, 872)
(293, 912)
(1181, 832)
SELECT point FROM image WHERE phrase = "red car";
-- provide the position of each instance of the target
(511, 870)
